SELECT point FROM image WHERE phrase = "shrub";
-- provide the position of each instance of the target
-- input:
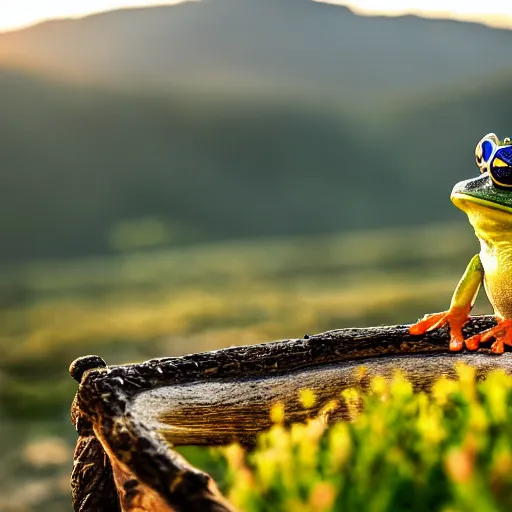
(450, 450)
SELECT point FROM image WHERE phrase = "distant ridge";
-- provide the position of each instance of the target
(260, 43)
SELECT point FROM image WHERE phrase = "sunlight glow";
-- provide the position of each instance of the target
(21, 13)
(497, 13)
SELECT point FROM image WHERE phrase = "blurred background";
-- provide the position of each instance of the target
(185, 177)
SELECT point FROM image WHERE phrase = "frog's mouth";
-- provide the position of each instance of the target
(470, 202)
(481, 192)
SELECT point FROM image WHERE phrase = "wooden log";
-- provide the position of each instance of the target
(129, 417)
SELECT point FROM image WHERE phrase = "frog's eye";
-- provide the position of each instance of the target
(501, 167)
(484, 151)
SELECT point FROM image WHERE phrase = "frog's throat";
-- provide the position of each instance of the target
(461, 201)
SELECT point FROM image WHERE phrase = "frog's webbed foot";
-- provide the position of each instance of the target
(501, 332)
(455, 318)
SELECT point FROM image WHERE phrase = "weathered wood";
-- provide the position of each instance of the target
(137, 412)
(92, 484)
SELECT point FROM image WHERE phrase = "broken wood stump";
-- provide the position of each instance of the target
(129, 417)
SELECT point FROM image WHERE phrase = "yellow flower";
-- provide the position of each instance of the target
(234, 455)
(266, 463)
(353, 401)
(277, 413)
(340, 445)
(307, 398)
(467, 379)
(430, 427)
(379, 386)
(442, 389)
(400, 386)
(497, 386)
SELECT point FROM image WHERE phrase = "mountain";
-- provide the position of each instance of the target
(269, 117)
(292, 44)
(77, 162)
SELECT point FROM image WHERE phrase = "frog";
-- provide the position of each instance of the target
(487, 201)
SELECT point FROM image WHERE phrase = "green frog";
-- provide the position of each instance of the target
(487, 201)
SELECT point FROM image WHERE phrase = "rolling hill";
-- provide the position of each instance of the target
(297, 44)
(267, 117)
(78, 161)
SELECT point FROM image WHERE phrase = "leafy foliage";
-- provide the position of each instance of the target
(451, 451)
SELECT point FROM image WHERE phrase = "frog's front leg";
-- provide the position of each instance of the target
(460, 306)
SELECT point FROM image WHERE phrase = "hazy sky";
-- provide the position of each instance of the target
(17, 13)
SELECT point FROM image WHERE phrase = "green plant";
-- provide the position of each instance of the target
(450, 450)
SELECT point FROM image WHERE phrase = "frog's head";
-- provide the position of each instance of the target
(493, 188)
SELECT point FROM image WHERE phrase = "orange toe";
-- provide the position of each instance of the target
(456, 344)
(498, 347)
(427, 323)
(502, 333)
(455, 318)
(473, 342)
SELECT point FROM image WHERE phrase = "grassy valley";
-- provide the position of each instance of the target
(152, 304)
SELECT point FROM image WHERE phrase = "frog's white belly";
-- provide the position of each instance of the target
(496, 258)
